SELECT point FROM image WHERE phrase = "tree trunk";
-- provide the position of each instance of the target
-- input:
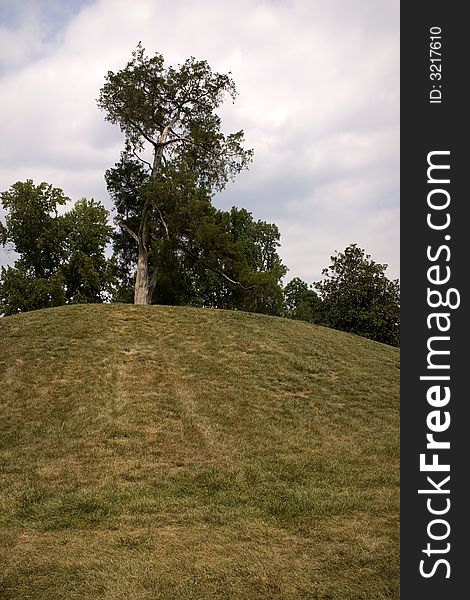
(144, 283)
(143, 286)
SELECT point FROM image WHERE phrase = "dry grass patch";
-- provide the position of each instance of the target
(175, 453)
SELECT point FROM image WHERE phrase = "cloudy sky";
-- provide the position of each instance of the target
(318, 84)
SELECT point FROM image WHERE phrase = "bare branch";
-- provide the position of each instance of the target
(142, 133)
(164, 223)
(178, 138)
(141, 159)
(218, 271)
(129, 230)
(222, 274)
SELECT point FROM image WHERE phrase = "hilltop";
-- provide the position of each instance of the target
(167, 452)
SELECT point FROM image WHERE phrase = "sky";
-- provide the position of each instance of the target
(318, 100)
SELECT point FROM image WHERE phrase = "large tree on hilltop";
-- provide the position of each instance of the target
(208, 253)
(171, 113)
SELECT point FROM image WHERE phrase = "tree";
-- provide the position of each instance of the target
(207, 256)
(237, 248)
(61, 257)
(88, 274)
(257, 263)
(171, 113)
(301, 302)
(34, 231)
(32, 228)
(357, 297)
(172, 229)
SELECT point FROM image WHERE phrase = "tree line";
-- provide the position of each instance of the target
(170, 245)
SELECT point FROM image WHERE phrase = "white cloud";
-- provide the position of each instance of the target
(318, 100)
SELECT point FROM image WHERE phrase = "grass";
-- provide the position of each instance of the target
(176, 453)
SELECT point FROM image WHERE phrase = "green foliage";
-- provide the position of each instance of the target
(87, 272)
(173, 110)
(21, 291)
(163, 207)
(301, 302)
(208, 253)
(61, 257)
(199, 255)
(255, 261)
(33, 228)
(358, 297)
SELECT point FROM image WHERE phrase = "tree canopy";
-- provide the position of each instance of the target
(301, 301)
(61, 256)
(358, 297)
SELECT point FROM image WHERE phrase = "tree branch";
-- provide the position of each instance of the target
(222, 274)
(129, 230)
(164, 223)
(142, 235)
(178, 138)
(218, 271)
(141, 159)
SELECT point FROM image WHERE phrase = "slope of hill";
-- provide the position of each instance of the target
(174, 453)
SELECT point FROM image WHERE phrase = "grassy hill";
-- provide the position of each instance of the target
(176, 453)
